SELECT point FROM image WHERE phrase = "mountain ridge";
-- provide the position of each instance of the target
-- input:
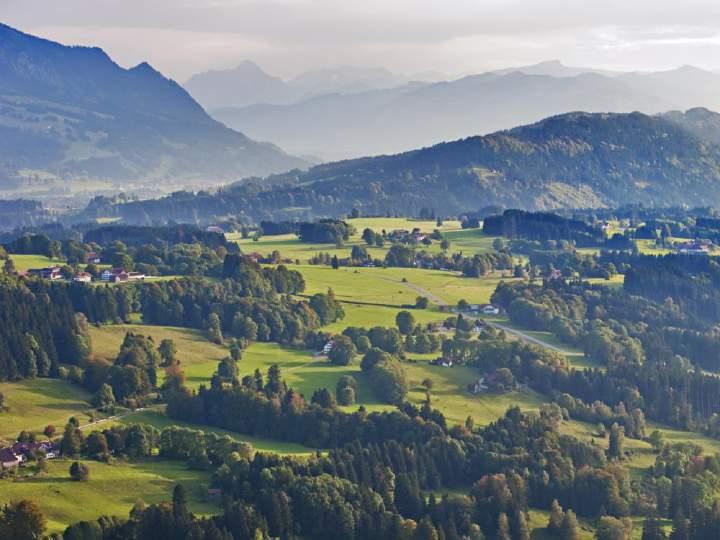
(573, 160)
(396, 120)
(70, 113)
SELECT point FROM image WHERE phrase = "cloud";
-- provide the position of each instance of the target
(181, 37)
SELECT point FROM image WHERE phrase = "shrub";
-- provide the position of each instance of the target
(79, 472)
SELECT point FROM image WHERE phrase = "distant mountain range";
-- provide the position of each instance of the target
(247, 84)
(339, 125)
(575, 160)
(71, 113)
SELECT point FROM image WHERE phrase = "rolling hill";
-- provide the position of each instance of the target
(575, 160)
(71, 113)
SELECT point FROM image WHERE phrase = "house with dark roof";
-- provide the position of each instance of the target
(51, 273)
(9, 459)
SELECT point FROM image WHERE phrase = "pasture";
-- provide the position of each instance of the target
(468, 241)
(32, 404)
(111, 490)
(198, 356)
(23, 263)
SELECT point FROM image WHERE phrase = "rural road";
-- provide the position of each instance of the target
(421, 291)
(525, 337)
(519, 333)
(113, 418)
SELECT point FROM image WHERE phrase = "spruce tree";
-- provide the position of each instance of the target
(556, 517)
(570, 528)
(503, 531)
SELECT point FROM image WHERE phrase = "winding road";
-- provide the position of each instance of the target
(519, 333)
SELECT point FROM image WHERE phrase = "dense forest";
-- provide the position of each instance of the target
(654, 354)
(40, 332)
(542, 226)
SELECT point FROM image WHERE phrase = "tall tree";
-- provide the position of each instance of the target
(503, 530)
(22, 520)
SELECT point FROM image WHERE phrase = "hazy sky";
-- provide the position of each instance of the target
(182, 37)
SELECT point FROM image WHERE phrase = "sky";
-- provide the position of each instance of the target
(454, 37)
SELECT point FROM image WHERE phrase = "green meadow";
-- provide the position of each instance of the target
(32, 404)
(23, 263)
(111, 490)
(468, 241)
(198, 356)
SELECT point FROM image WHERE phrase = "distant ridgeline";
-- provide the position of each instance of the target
(575, 160)
(542, 226)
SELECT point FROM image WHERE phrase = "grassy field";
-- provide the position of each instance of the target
(23, 263)
(35, 403)
(373, 315)
(450, 396)
(470, 241)
(390, 224)
(198, 356)
(111, 490)
(386, 286)
(289, 246)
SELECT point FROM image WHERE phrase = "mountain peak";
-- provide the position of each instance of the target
(150, 126)
(145, 68)
(249, 66)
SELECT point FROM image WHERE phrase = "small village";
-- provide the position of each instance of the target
(109, 275)
(20, 453)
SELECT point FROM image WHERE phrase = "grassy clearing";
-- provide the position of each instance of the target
(386, 286)
(648, 247)
(35, 403)
(470, 241)
(289, 246)
(306, 373)
(364, 285)
(373, 315)
(198, 356)
(23, 263)
(390, 224)
(538, 520)
(111, 490)
(575, 356)
(450, 396)
(614, 282)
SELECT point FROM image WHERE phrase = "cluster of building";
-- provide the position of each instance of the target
(694, 247)
(120, 275)
(405, 236)
(16, 455)
(110, 275)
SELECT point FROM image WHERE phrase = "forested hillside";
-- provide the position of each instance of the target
(69, 113)
(576, 160)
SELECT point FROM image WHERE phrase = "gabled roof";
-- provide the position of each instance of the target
(7, 455)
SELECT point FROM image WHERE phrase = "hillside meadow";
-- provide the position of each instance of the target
(32, 404)
(111, 489)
